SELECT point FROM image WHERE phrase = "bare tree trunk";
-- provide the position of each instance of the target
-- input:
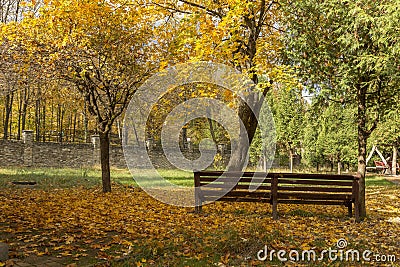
(105, 161)
(24, 109)
(37, 120)
(60, 118)
(394, 160)
(44, 123)
(20, 103)
(8, 110)
(211, 126)
(339, 167)
(74, 128)
(119, 128)
(85, 124)
(68, 138)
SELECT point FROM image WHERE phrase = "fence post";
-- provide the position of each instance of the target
(27, 137)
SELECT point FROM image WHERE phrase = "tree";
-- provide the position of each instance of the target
(103, 48)
(348, 52)
(242, 34)
(329, 134)
(288, 108)
(337, 134)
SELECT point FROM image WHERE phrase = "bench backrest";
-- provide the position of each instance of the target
(315, 188)
(286, 187)
(247, 186)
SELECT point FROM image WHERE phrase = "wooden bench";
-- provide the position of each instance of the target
(276, 188)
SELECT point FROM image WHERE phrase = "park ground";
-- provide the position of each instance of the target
(65, 220)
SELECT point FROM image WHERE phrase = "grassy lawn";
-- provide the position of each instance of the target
(66, 218)
(47, 178)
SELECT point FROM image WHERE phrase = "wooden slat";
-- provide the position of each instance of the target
(206, 193)
(315, 202)
(235, 179)
(238, 199)
(281, 175)
(313, 176)
(233, 174)
(314, 182)
(314, 189)
(313, 196)
(239, 186)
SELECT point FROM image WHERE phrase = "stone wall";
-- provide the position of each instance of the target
(11, 153)
(62, 155)
(28, 153)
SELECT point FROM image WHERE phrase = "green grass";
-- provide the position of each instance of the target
(48, 178)
(377, 180)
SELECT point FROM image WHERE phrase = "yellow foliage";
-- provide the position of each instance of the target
(82, 223)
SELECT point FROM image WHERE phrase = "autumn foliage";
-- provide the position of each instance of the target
(85, 226)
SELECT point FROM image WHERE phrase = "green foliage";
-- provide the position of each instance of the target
(288, 108)
(388, 131)
(331, 134)
(347, 51)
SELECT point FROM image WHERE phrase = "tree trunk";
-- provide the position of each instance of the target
(74, 128)
(19, 116)
(86, 124)
(212, 131)
(240, 156)
(291, 159)
(184, 138)
(362, 152)
(339, 167)
(394, 160)
(62, 112)
(8, 108)
(37, 120)
(362, 137)
(105, 160)
(44, 123)
(24, 109)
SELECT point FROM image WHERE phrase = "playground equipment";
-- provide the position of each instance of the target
(385, 166)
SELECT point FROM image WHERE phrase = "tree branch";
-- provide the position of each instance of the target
(209, 11)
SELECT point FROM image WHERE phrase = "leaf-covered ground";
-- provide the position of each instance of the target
(84, 227)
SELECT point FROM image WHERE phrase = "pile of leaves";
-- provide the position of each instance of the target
(85, 227)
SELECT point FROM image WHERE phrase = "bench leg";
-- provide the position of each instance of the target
(197, 201)
(350, 209)
(274, 209)
(357, 212)
(198, 209)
